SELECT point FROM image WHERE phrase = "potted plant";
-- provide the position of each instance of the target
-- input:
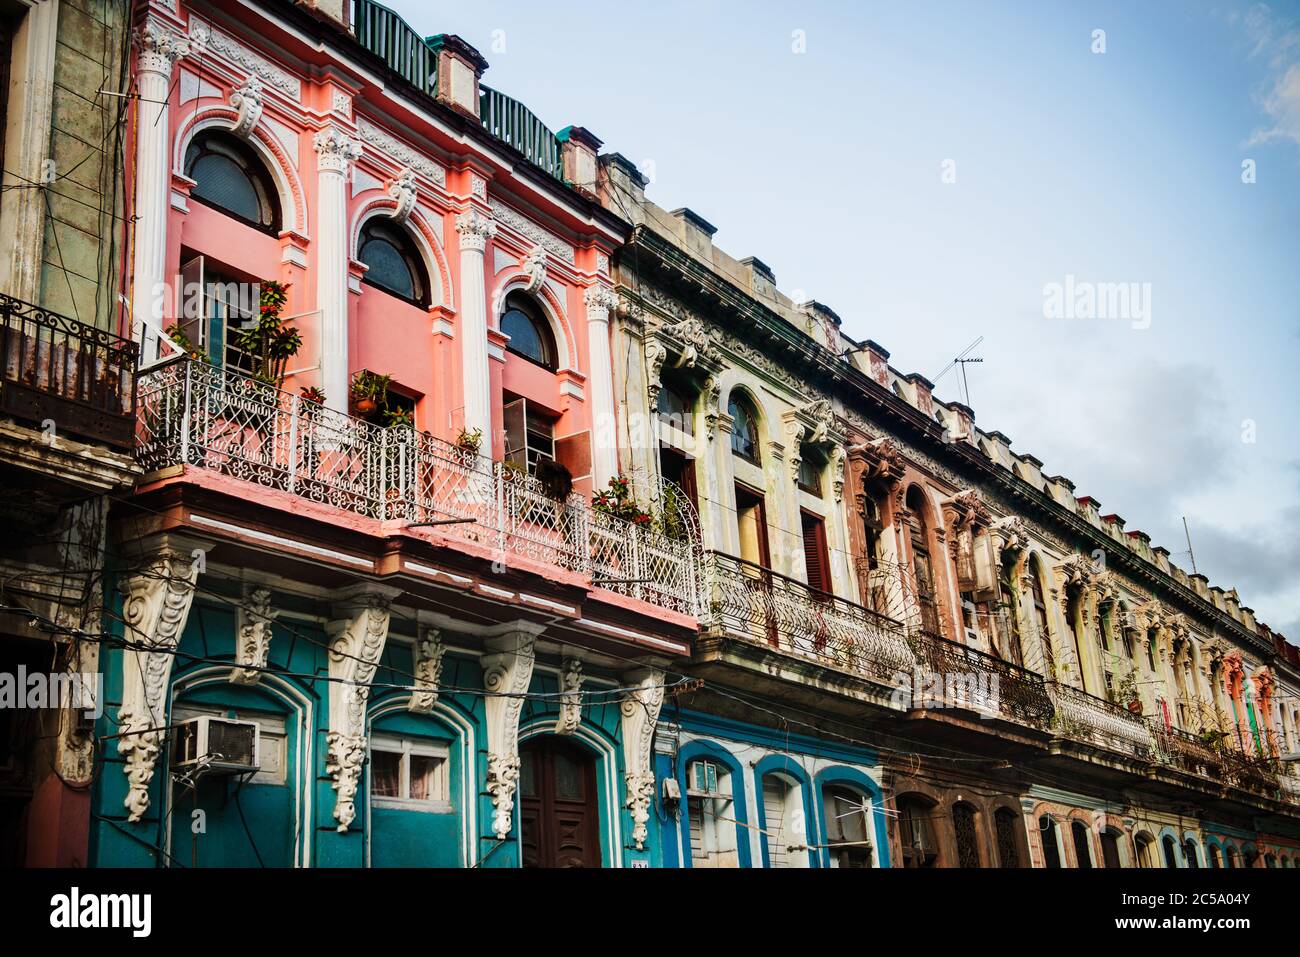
(470, 440)
(182, 341)
(617, 500)
(313, 394)
(369, 391)
(1126, 693)
(398, 418)
(269, 343)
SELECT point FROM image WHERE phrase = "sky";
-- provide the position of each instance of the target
(930, 169)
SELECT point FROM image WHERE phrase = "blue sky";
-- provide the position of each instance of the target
(1122, 166)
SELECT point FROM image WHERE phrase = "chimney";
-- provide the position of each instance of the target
(877, 359)
(924, 390)
(965, 430)
(336, 10)
(459, 69)
(761, 278)
(1089, 508)
(578, 149)
(622, 187)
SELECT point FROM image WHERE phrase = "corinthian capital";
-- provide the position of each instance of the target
(601, 300)
(159, 47)
(475, 229)
(336, 150)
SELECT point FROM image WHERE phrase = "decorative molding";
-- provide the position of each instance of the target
(475, 229)
(253, 636)
(534, 265)
(209, 38)
(600, 301)
(248, 100)
(399, 152)
(356, 643)
(570, 697)
(525, 227)
(340, 103)
(159, 47)
(155, 610)
(429, 653)
(507, 672)
(640, 710)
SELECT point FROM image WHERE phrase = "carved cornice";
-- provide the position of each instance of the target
(212, 40)
(513, 219)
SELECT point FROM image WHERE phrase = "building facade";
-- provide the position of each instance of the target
(472, 510)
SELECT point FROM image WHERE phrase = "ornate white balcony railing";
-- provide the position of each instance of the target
(1085, 717)
(763, 607)
(191, 413)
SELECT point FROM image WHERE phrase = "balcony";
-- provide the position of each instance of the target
(196, 415)
(1185, 751)
(983, 682)
(1091, 720)
(758, 605)
(56, 369)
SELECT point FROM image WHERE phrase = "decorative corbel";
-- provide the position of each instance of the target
(656, 354)
(356, 643)
(247, 98)
(429, 652)
(155, 610)
(837, 460)
(640, 710)
(571, 697)
(712, 406)
(534, 265)
(507, 672)
(253, 637)
(403, 192)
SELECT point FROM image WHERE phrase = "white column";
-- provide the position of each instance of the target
(159, 48)
(600, 387)
(475, 230)
(334, 151)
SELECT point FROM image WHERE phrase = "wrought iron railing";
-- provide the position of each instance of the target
(984, 682)
(1185, 751)
(513, 123)
(56, 370)
(1084, 717)
(759, 605)
(388, 36)
(194, 414)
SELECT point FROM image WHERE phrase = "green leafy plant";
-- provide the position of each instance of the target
(617, 500)
(470, 440)
(178, 336)
(269, 343)
(398, 418)
(369, 391)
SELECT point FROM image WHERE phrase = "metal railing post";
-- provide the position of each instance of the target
(185, 413)
(292, 451)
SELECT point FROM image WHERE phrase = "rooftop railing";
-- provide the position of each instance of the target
(516, 125)
(194, 414)
(57, 370)
(761, 606)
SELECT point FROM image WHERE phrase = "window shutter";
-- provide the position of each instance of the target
(814, 552)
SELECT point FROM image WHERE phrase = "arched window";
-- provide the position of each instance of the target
(1082, 850)
(783, 821)
(1051, 849)
(227, 174)
(1110, 848)
(676, 410)
(916, 833)
(848, 830)
(1005, 823)
(918, 533)
(1215, 863)
(744, 428)
(1145, 847)
(1040, 619)
(1170, 847)
(711, 812)
(1231, 855)
(529, 332)
(963, 823)
(392, 261)
(1008, 619)
(1189, 851)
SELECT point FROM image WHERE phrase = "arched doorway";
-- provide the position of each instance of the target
(559, 817)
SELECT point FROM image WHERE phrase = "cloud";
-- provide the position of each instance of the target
(1277, 42)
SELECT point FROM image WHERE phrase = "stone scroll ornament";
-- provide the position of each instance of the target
(253, 637)
(570, 698)
(429, 653)
(640, 711)
(507, 672)
(357, 643)
(155, 610)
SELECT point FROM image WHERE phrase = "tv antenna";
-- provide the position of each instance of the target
(1190, 554)
(963, 358)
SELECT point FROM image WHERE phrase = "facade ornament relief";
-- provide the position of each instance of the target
(656, 354)
(600, 298)
(211, 40)
(253, 637)
(507, 672)
(640, 710)
(155, 610)
(357, 642)
(475, 229)
(247, 99)
(429, 652)
(399, 152)
(402, 190)
(1013, 533)
(534, 265)
(570, 697)
(159, 47)
(525, 227)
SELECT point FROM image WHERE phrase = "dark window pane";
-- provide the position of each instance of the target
(524, 337)
(221, 182)
(385, 774)
(387, 268)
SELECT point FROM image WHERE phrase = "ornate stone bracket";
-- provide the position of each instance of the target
(403, 192)
(507, 672)
(356, 642)
(248, 100)
(429, 653)
(156, 608)
(640, 710)
(534, 265)
(571, 697)
(253, 637)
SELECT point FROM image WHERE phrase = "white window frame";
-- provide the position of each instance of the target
(406, 747)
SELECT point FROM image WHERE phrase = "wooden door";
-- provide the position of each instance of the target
(559, 813)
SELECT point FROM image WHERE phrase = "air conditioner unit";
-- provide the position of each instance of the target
(220, 745)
